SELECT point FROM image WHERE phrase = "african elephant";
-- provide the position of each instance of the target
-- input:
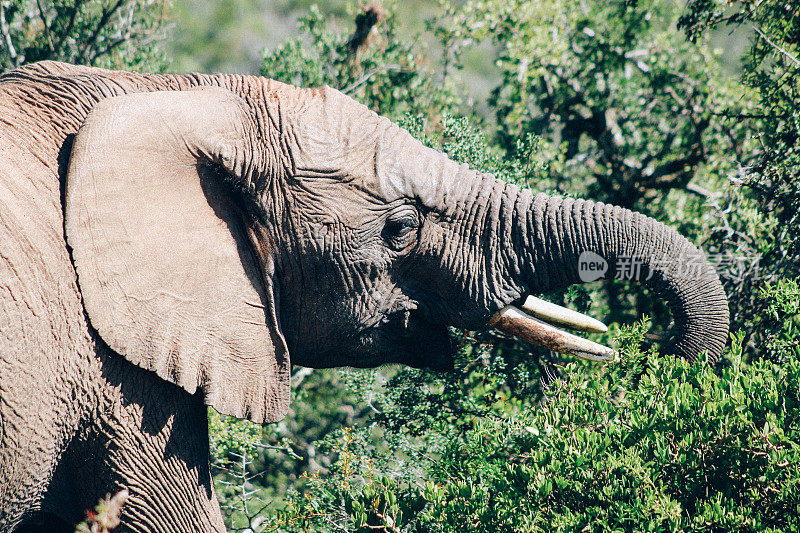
(170, 242)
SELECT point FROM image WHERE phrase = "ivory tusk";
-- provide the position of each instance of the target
(562, 316)
(514, 322)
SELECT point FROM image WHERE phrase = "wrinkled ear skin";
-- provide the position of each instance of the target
(168, 274)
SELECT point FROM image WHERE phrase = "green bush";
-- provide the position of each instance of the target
(371, 63)
(103, 33)
(765, 215)
(645, 444)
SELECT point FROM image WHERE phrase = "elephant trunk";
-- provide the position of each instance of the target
(563, 241)
(503, 242)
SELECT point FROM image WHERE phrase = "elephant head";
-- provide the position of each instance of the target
(219, 235)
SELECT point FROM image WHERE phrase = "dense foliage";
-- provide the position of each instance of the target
(766, 207)
(372, 64)
(646, 444)
(106, 33)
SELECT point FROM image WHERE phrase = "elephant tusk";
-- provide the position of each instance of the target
(555, 314)
(514, 322)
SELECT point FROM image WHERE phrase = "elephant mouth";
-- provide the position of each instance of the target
(535, 321)
(420, 343)
(411, 338)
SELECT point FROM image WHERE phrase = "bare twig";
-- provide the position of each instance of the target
(285, 449)
(365, 78)
(299, 376)
(711, 200)
(778, 48)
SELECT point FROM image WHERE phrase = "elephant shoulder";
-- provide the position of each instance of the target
(40, 307)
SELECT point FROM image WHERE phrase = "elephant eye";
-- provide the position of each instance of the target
(400, 230)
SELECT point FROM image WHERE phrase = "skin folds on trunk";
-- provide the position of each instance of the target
(570, 241)
(505, 242)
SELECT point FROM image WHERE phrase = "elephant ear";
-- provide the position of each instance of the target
(164, 259)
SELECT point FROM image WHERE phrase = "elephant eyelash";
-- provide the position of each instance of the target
(404, 226)
(400, 232)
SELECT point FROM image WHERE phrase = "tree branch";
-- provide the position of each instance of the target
(71, 24)
(12, 53)
(666, 174)
(100, 25)
(43, 18)
(108, 49)
(778, 48)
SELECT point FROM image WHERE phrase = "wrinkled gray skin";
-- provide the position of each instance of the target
(187, 245)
